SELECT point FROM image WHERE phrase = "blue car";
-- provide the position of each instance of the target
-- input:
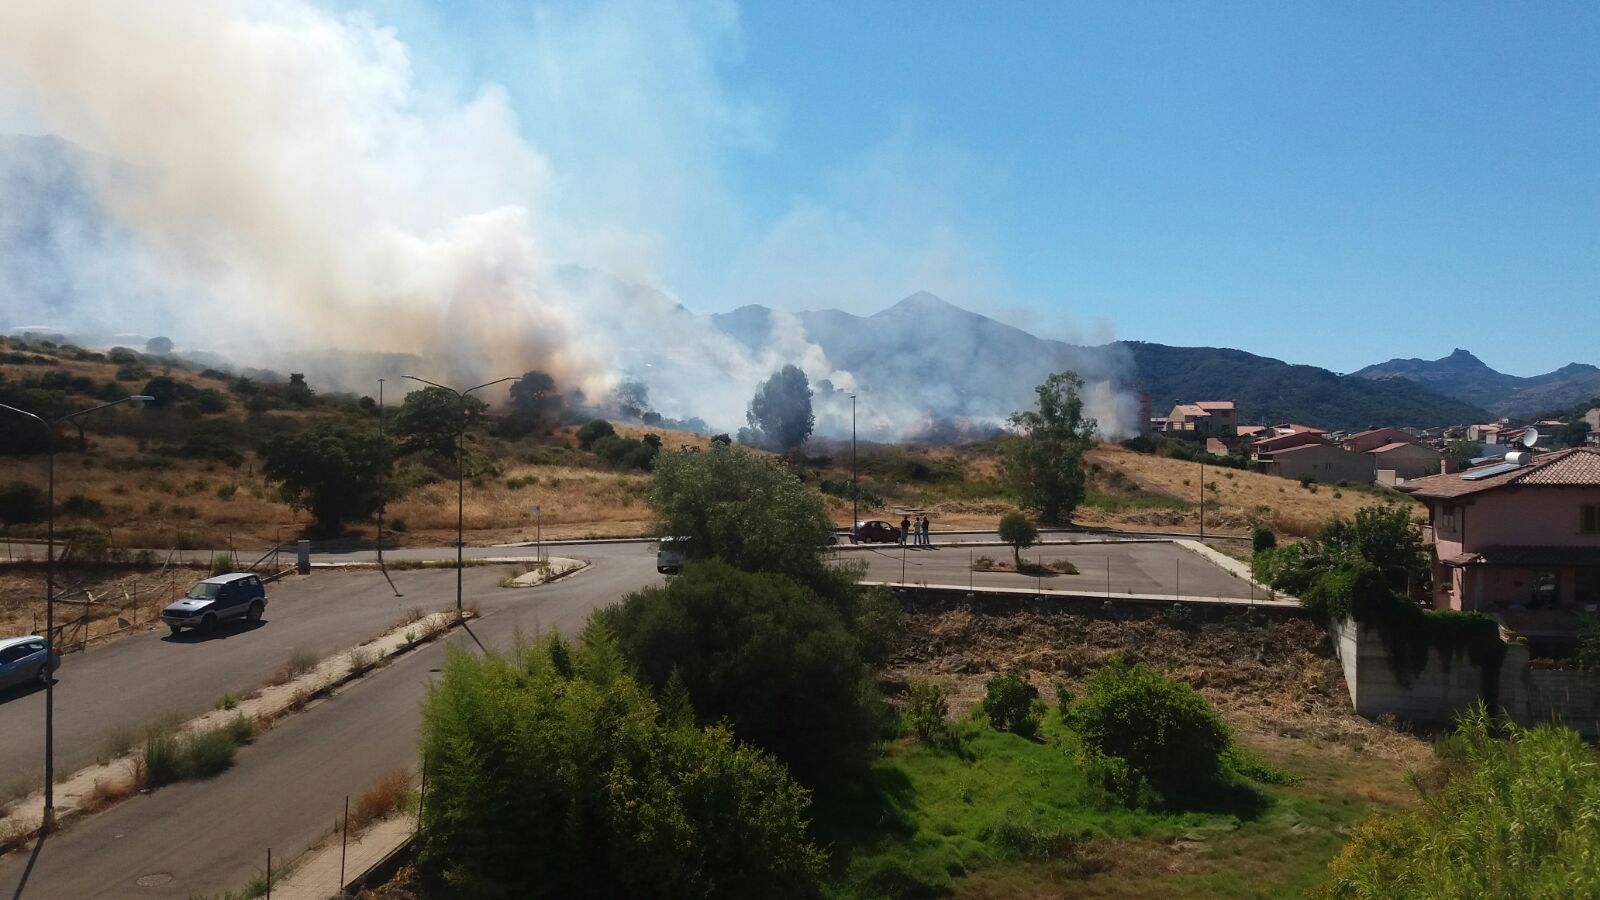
(27, 660)
(236, 596)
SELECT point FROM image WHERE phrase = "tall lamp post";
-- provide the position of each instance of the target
(50, 428)
(461, 468)
(1203, 452)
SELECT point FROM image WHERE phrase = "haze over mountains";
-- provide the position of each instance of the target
(919, 364)
(1465, 377)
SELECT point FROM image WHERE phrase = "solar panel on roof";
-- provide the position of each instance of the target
(1492, 470)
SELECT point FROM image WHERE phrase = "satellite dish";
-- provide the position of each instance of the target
(1530, 437)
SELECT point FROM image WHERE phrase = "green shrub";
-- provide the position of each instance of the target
(927, 712)
(1262, 538)
(1012, 704)
(1163, 730)
(1517, 819)
(593, 431)
(552, 773)
(22, 503)
(1587, 656)
(772, 657)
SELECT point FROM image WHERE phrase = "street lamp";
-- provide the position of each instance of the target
(461, 468)
(50, 591)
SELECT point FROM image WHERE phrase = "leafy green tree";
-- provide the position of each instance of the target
(1160, 729)
(593, 431)
(433, 419)
(1012, 704)
(1044, 461)
(297, 392)
(332, 470)
(1515, 819)
(1262, 538)
(158, 345)
(22, 503)
(1462, 453)
(1572, 434)
(1016, 530)
(535, 403)
(769, 655)
(780, 412)
(162, 391)
(552, 773)
(742, 507)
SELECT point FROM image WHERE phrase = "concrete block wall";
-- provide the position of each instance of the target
(1445, 688)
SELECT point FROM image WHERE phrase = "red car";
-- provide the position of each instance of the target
(876, 531)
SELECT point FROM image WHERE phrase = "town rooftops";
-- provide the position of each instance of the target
(1575, 467)
(1251, 430)
(1505, 555)
(1189, 410)
(1394, 446)
(1317, 446)
(1215, 405)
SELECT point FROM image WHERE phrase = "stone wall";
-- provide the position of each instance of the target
(1446, 687)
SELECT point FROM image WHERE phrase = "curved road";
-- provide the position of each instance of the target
(287, 787)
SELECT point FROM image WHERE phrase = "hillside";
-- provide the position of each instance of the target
(1465, 377)
(950, 361)
(1270, 390)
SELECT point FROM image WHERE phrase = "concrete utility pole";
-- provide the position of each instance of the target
(461, 470)
(50, 429)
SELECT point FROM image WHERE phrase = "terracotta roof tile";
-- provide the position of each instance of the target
(1396, 445)
(1576, 467)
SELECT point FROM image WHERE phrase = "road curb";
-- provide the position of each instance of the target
(76, 794)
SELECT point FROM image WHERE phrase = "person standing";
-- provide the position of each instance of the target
(926, 540)
(905, 529)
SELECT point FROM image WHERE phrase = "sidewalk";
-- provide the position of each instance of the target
(317, 874)
(1102, 596)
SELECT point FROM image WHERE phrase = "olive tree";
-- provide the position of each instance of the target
(1044, 459)
(747, 509)
(332, 470)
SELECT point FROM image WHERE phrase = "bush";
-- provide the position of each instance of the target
(593, 431)
(1012, 704)
(767, 654)
(552, 773)
(927, 712)
(1587, 656)
(1262, 538)
(22, 503)
(1516, 820)
(81, 507)
(1161, 728)
(1016, 530)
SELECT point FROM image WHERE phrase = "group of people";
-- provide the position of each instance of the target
(914, 531)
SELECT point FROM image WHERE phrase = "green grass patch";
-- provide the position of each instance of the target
(1131, 499)
(922, 817)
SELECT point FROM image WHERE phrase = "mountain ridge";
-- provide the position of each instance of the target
(1465, 377)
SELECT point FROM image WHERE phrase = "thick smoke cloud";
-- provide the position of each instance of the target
(273, 183)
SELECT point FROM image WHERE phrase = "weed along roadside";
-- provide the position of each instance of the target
(168, 751)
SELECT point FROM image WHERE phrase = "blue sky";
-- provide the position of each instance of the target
(1333, 184)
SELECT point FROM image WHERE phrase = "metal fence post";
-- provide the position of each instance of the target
(269, 873)
(344, 841)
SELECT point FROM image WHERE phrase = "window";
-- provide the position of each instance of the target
(1589, 520)
(12, 654)
(1447, 517)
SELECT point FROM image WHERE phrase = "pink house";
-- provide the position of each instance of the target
(1519, 540)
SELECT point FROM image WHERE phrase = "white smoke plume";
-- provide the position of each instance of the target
(285, 190)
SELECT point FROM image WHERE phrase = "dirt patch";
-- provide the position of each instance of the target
(92, 602)
(1271, 675)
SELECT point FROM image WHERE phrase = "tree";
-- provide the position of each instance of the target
(1159, 729)
(593, 431)
(162, 391)
(1016, 530)
(632, 399)
(553, 773)
(297, 392)
(22, 503)
(771, 656)
(430, 420)
(1462, 453)
(742, 507)
(332, 470)
(1572, 434)
(780, 414)
(535, 404)
(1044, 461)
(158, 345)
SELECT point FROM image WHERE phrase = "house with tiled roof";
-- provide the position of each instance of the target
(1405, 460)
(1320, 461)
(1203, 419)
(1519, 540)
(1373, 438)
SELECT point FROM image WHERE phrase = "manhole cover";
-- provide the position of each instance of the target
(154, 879)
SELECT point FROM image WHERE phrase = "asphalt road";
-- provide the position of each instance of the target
(288, 787)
